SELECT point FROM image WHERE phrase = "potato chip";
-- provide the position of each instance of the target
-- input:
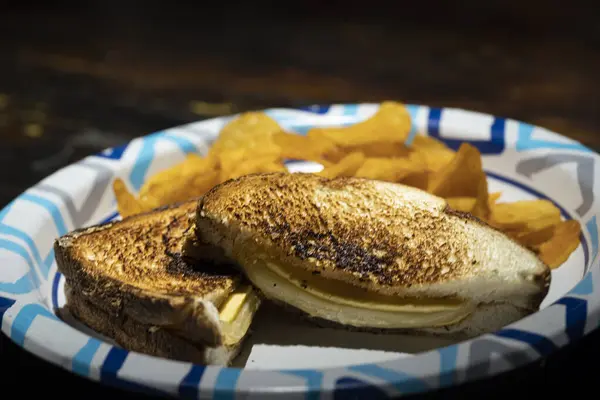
(176, 183)
(465, 204)
(127, 204)
(419, 180)
(248, 136)
(347, 166)
(257, 165)
(229, 160)
(532, 239)
(418, 160)
(535, 224)
(463, 177)
(493, 198)
(204, 182)
(436, 159)
(380, 149)
(564, 241)
(250, 131)
(181, 189)
(387, 169)
(297, 147)
(391, 123)
(427, 142)
(524, 215)
(434, 152)
(192, 166)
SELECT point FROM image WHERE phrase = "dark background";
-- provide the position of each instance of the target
(77, 77)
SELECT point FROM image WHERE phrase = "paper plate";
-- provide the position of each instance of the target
(521, 160)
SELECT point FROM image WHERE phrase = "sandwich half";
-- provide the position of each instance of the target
(370, 255)
(129, 281)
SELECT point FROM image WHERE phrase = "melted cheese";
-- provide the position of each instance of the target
(350, 305)
(237, 313)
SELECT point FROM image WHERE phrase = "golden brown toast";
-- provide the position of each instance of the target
(134, 270)
(143, 338)
(386, 239)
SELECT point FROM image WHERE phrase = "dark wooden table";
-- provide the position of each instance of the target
(75, 80)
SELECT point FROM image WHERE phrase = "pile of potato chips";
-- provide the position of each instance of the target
(374, 149)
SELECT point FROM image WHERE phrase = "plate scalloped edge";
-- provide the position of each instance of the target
(63, 202)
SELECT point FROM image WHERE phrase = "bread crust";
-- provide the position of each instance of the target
(143, 338)
(158, 286)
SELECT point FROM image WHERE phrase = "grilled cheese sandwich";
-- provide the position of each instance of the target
(129, 280)
(369, 254)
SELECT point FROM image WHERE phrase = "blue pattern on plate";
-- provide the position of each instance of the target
(185, 145)
(542, 344)
(188, 388)
(525, 142)
(25, 318)
(404, 382)
(313, 380)
(347, 388)
(592, 227)
(52, 208)
(584, 287)
(29, 281)
(226, 383)
(316, 108)
(114, 153)
(83, 358)
(22, 235)
(109, 373)
(113, 362)
(44, 265)
(448, 360)
(143, 162)
(413, 111)
(350, 109)
(575, 316)
(54, 296)
(493, 146)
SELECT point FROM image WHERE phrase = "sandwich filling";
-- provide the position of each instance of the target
(237, 312)
(350, 305)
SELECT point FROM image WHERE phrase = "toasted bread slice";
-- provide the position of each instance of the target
(133, 273)
(144, 338)
(371, 254)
